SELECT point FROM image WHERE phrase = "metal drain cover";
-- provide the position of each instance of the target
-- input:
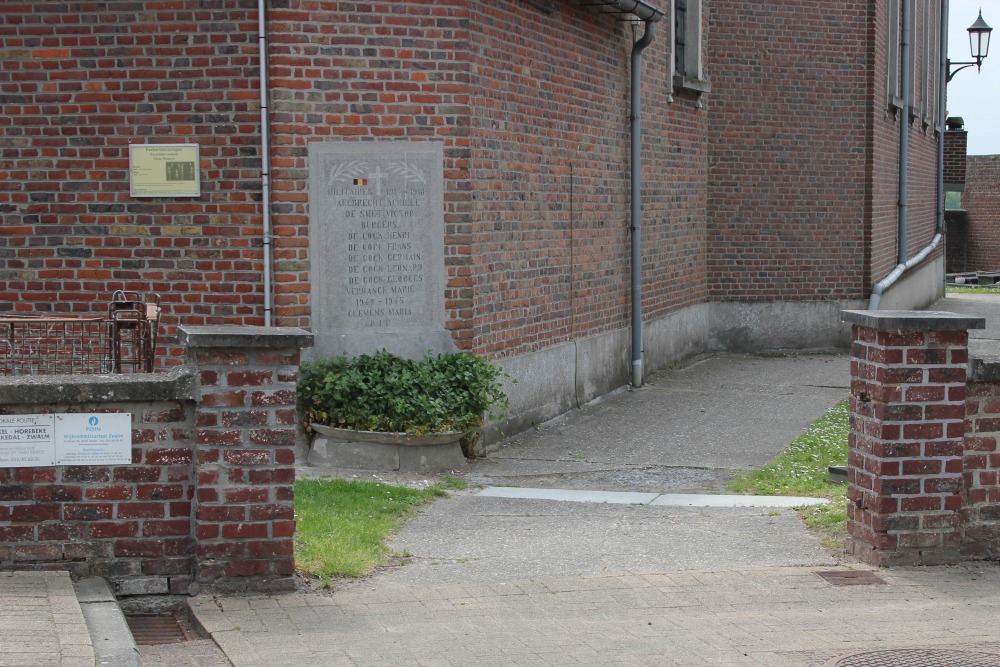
(917, 657)
(152, 629)
(851, 577)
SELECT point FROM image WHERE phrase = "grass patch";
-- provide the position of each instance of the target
(990, 289)
(342, 525)
(802, 470)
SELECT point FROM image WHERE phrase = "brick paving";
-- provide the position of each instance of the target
(41, 623)
(770, 616)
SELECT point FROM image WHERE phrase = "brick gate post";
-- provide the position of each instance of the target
(245, 431)
(908, 389)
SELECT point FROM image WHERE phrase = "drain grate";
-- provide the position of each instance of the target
(916, 658)
(851, 577)
(152, 629)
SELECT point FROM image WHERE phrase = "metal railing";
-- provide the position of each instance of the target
(124, 341)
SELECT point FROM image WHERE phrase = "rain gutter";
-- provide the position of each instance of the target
(265, 159)
(904, 144)
(649, 15)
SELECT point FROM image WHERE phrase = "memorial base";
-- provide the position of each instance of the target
(396, 452)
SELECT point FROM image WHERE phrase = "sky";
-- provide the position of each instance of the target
(975, 96)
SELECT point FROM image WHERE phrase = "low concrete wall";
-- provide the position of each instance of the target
(917, 288)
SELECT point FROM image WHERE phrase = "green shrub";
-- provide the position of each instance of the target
(384, 392)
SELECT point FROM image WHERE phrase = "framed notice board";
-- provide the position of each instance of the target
(164, 170)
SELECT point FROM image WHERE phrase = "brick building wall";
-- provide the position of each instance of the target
(982, 201)
(803, 175)
(787, 177)
(779, 185)
(956, 141)
(347, 71)
(550, 155)
(76, 88)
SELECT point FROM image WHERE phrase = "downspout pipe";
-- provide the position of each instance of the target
(942, 93)
(906, 82)
(636, 210)
(265, 158)
(905, 264)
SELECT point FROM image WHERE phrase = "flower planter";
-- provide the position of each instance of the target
(371, 450)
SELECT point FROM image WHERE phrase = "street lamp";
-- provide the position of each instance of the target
(979, 46)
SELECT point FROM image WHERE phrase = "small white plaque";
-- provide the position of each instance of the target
(27, 441)
(93, 439)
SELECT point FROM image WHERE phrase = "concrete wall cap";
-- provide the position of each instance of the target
(912, 320)
(233, 336)
(175, 385)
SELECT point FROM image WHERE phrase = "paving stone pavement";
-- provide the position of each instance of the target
(497, 581)
(768, 616)
(42, 623)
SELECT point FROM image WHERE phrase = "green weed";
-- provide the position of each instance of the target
(342, 525)
(803, 470)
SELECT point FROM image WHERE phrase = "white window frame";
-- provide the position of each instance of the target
(693, 76)
(893, 97)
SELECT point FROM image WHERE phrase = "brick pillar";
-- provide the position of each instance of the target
(246, 429)
(908, 375)
(981, 510)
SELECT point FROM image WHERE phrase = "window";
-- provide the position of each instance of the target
(933, 51)
(686, 63)
(893, 92)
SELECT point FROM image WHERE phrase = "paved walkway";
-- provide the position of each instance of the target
(525, 581)
(41, 623)
(769, 616)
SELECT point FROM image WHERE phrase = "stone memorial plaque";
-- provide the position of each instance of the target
(376, 247)
(27, 441)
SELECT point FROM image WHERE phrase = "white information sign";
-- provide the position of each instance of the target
(93, 439)
(27, 441)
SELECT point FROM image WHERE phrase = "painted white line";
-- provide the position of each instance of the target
(616, 497)
(700, 500)
(633, 498)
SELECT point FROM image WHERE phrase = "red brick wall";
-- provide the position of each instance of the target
(77, 86)
(533, 111)
(884, 166)
(348, 71)
(209, 495)
(550, 171)
(955, 150)
(982, 200)
(802, 201)
(119, 522)
(981, 474)
(787, 159)
(924, 465)
(907, 410)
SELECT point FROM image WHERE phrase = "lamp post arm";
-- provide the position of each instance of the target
(963, 65)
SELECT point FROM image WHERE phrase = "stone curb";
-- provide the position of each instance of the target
(112, 640)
